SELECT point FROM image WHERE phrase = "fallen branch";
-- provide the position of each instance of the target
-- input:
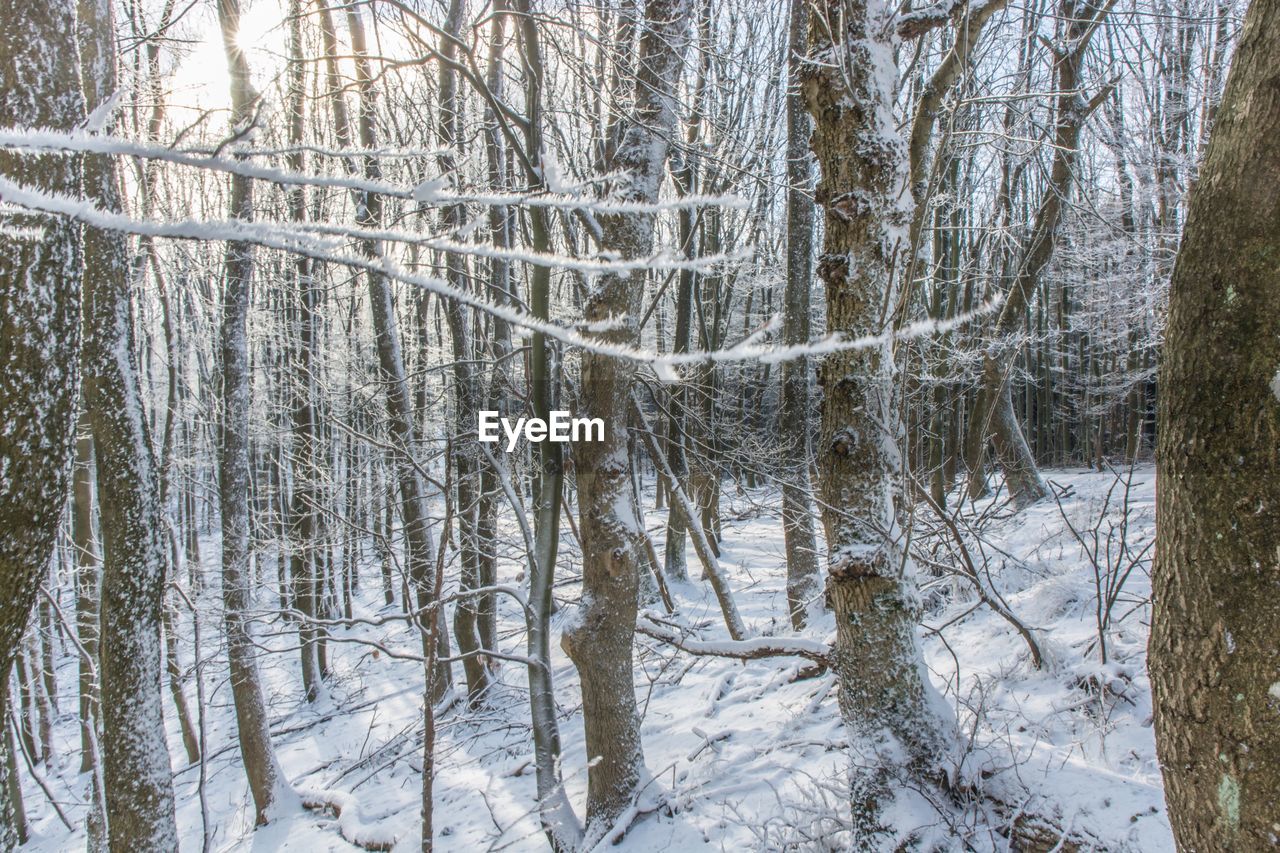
(752, 649)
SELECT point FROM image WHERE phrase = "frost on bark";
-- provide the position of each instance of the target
(266, 780)
(40, 277)
(85, 557)
(889, 708)
(1215, 673)
(599, 641)
(136, 773)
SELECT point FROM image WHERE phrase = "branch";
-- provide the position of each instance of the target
(753, 649)
(915, 24)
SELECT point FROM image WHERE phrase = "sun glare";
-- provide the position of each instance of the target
(200, 79)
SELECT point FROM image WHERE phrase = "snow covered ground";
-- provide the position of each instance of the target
(742, 755)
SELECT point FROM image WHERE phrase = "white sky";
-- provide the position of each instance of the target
(199, 81)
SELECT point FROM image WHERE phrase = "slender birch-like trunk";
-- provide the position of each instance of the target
(795, 423)
(305, 500)
(400, 412)
(270, 789)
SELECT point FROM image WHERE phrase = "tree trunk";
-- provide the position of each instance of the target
(465, 456)
(40, 277)
(795, 423)
(993, 414)
(889, 708)
(87, 580)
(13, 827)
(305, 501)
(599, 641)
(419, 546)
(559, 822)
(1214, 673)
(266, 781)
(684, 175)
(136, 774)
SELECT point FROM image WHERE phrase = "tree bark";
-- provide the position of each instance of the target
(40, 278)
(599, 640)
(136, 773)
(889, 708)
(465, 456)
(305, 500)
(1215, 676)
(266, 781)
(85, 556)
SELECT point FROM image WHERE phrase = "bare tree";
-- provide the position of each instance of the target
(795, 423)
(993, 414)
(270, 789)
(886, 701)
(599, 641)
(305, 507)
(137, 780)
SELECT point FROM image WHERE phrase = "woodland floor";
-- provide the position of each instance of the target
(741, 755)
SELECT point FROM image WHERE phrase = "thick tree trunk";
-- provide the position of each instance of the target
(40, 277)
(599, 640)
(795, 423)
(1215, 676)
(889, 708)
(266, 781)
(136, 773)
(13, 829)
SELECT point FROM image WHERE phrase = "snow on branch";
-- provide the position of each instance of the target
(271, 236)
(428, 193)
(752, 649)
(346, 808)
(666, 259)
(920, 21)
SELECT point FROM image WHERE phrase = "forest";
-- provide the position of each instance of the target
(671, 425)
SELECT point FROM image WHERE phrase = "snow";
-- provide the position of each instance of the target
(743, 754)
